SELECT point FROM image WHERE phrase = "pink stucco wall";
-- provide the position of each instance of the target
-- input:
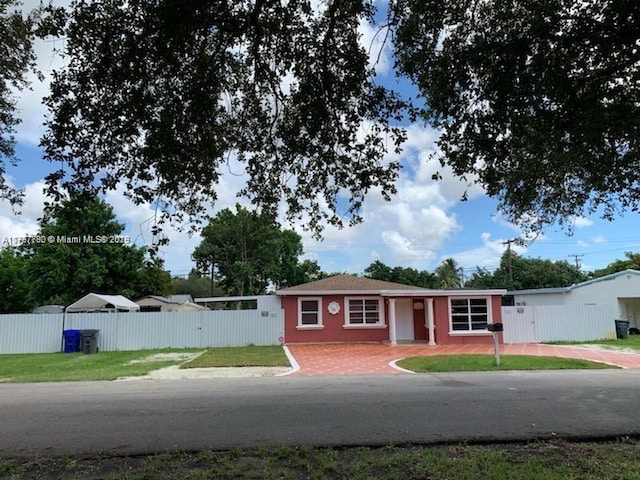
(441, 314)
(333, 330)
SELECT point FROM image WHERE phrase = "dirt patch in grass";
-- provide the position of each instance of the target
(166, 357)
(66, 367)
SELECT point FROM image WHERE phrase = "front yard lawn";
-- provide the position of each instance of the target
(63, 367)
(483, 363)
(269, 356)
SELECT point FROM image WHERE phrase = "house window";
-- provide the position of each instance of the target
(469, 314)
(364, 311)
(309, 312)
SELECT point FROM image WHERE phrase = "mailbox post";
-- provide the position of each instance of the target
(496, 328)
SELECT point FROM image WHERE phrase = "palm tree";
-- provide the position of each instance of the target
(449, 274)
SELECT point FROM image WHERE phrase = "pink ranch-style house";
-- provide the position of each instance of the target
(346, 308)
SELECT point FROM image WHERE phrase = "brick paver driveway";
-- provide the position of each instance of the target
(375, 358)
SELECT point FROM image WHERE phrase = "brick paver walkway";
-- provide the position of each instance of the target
(374, 358)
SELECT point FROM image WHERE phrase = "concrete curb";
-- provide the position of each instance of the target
(292, 361)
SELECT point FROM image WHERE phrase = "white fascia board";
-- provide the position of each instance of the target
(470, 293)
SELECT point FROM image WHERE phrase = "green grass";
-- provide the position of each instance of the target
(269, 356)
(61, 367)
(536, 460)
(632, 343)
(483, 363)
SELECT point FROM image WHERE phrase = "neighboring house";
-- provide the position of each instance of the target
(173, 303)
(346, 308)
(621, 290)
(97, 302)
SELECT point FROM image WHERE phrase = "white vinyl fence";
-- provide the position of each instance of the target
(38, 333)
(30, 333)
(535, 324)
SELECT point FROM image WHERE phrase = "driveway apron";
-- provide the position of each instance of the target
(376, 358)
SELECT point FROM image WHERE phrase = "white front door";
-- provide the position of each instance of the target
(404, 320)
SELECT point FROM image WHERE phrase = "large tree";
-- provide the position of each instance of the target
(79, 249)
(14, 285)
(632, 261)
(197, 285)
(247, 252)
(537, 101)
(449, 274)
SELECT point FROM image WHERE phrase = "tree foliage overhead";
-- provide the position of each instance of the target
(16, 60)
(18, 29)
(162, 94)
(537, 101)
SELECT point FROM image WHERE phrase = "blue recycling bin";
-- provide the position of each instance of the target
(71, 341)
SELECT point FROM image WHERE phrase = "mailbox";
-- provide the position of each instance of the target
(495, 327)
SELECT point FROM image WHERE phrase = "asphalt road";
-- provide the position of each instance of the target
(152, 416)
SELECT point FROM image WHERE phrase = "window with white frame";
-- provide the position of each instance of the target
(364, 311)
(309, 312)
(469, 314)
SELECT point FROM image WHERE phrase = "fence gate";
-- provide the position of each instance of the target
(550, 323)
(519, 325)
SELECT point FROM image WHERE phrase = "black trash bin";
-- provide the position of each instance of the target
(89, 341)
(622, 328)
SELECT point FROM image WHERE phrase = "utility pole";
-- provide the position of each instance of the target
(577, 259)
(508, 243)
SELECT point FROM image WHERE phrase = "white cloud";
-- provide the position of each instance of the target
(404, 250)
(581, 222)
(487, 255)
(599, 239)
(13, 225)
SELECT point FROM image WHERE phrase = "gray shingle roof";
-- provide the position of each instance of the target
(348, 283)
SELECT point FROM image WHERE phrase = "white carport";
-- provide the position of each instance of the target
(96, 302)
